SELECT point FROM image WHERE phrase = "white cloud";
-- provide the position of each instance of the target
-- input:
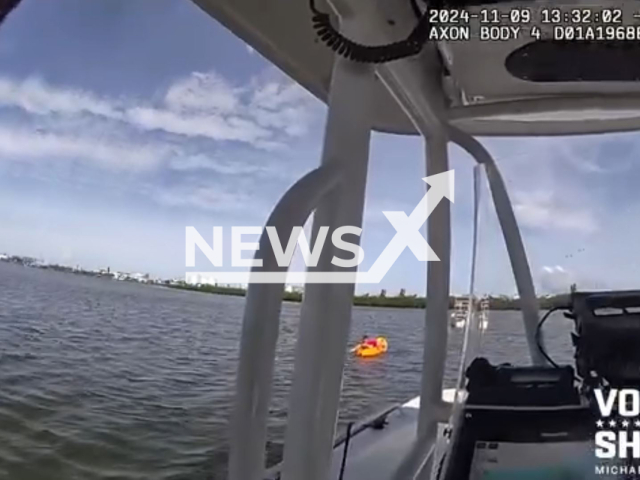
(282, 106)
(597, 155)
(210, 126)
(549, 185)
(215, 199)
(274, 95)
(223, 167)
(194, 162)
(203, 92)
(263, 114)
(69, 126)
(35, 96)
(555, 279)
(542, 209)
(28, 144)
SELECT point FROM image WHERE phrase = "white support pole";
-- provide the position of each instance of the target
(421, 106)
(512, 239)
(260, 328)
(326, 309)
(437, 311)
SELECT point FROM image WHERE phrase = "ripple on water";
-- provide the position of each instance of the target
(109, 380)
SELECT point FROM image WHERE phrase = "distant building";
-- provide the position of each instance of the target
(192, 279)
(294, 289)
(241, 286)
(140, 277)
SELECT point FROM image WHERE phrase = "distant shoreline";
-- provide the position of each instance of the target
(382, 300)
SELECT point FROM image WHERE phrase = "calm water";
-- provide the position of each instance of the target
(110, 380)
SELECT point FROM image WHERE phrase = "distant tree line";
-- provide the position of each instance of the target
(402, 300)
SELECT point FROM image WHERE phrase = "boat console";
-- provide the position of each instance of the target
(521, 422)
(506, 385)
(541, 421)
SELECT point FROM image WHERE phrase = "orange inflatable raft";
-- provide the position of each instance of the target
(371, 348)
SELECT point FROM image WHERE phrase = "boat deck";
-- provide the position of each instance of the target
(377, 452)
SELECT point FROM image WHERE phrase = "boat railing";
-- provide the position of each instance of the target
(261, 324)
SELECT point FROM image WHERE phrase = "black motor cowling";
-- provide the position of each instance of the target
(607, 337)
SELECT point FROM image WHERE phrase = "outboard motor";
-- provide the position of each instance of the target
(607, 338)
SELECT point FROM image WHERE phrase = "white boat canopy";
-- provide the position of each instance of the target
(481, 96)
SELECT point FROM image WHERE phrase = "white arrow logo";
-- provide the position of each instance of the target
(408, 228)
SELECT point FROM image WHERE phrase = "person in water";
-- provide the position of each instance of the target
(368, 341)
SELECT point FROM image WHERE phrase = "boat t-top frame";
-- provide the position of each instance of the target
(448, 93)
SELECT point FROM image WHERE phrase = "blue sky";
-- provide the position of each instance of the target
(124, 121)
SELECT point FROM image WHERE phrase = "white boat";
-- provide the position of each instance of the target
(460, 313)
(462, 310)
(459, 324)
(449, 92)
(483, 312)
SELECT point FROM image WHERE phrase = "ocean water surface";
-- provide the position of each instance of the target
(112, 380)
